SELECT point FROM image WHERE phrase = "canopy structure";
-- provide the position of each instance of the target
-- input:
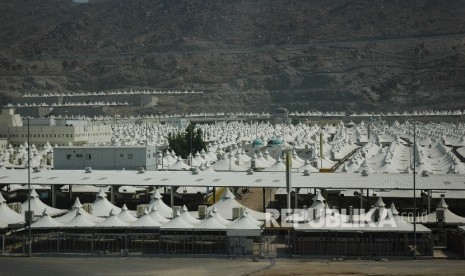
(245, 225)
(8, 216)
(101, 207)
(145, 221)
(79, 221)
(158, 204)
(112, 222)
(226, 204)
(177, 223)
(77, 207)
(154, 214)
(38, 207)
(46, 222)
(442, 213)
(126, 216)
(401, 181)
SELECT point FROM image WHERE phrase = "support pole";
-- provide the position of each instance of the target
(264, 198)
(288, 190)
(54, 196)
(112, 194)
(296, 197)
(29, 219)
(429, 201)
(70, 191)
(214, 194)
(172, 196)
(414, 197)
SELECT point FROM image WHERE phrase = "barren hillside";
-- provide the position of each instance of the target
(246, 55)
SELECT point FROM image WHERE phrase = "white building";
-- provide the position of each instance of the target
(106, 158)
(55, 131)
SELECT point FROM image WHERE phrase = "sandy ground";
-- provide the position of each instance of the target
(70, 266)
(404, 267)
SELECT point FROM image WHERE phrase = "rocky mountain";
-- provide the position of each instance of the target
(246, 55)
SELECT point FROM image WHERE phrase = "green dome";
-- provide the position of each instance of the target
(257, 142)
(276, 141)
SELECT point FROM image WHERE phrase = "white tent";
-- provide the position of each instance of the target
(177, 223)
(77, 207)
(244, 226)
(145, 221)
(125, 215)
(8, 216)
(158, 204)
(226, 204)
(154, 214)
(449, 217)
(46, 222)
(79, 221)
(187, 216)
(210, 223)
(101, 207)
(112, 222)
(38, 206)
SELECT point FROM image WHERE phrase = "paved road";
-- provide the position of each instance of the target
(70, 266)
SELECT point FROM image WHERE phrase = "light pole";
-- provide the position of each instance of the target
(414, 197)
(29, 217)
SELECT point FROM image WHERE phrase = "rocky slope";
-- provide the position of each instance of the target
(246, 55)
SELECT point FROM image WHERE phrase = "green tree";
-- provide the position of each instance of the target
(189, 141)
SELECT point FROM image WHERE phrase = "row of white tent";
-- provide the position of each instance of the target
(155, 215)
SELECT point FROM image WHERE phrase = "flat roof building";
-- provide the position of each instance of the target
(57, 131)
(105, 158)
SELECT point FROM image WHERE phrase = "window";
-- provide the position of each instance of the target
(68, 156)
(121, 155)
(88, 156)
(79, 155)
(130, 156)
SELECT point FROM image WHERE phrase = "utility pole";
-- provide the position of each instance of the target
(29, 217)
(414, 196)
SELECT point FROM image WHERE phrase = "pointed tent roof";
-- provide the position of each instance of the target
(210, 223)
(449, 217)
(161, 207)
(78, 221)
(442, 204)
(46, 222)
(101, 207)
(216, 214)
(154, 214)
(379, 202)
(394, 210)
(187, 216)
(8, 216)
(243, 226)
(77, 204)
(318, 197)
(145, 221)
(125, 215)
(177, 223)
(226, 204)
(112, 221)
(38, 206)
(71, 214)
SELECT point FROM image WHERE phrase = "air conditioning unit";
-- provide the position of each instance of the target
(15, 206)
(87, 207)
(176, 211)
(237, 212)
(202, 211)
(141, 209)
